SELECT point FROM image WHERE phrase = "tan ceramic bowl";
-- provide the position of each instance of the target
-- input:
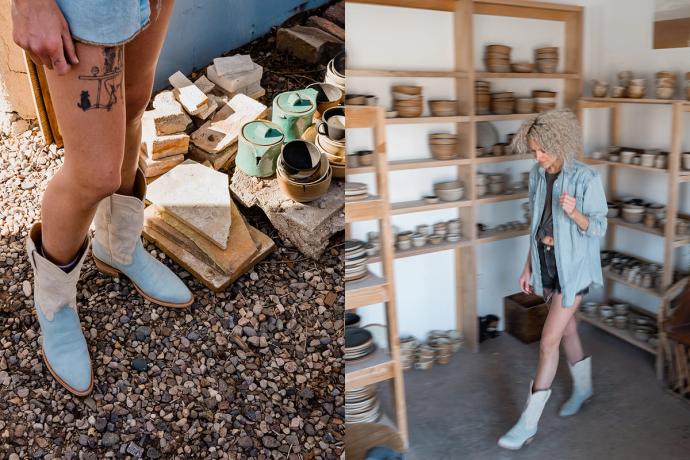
(304, 193)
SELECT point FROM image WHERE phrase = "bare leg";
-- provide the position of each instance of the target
(89, 104)
(551, 335)
(571, 342)
(141, 56)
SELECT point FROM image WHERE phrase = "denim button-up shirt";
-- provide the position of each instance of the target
(577, 251)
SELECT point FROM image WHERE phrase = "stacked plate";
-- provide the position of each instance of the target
(524, 105)
(547, 59)
(497, 58)
(482, 97)
(355, 260)
(443, 108)
(408, 100)
(425, 357)
(457, 339)
(355, 191)
(665, 84)
(335, 71)
(444, 146)
(362, 405)
(359, 343)
(544, 100)
(408, 351)
(503, 103)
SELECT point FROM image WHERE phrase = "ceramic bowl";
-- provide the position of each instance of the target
(443, 108)
(366, 157)
(606, 311)
(407, 89)
(621, 321)
(449, 191)
(422, 229)
(522, 67)
(304, 193)
(621, 308)
(300, 158)
(431, 199)
(327, 144)
(352, 160)
(590, 308)
(665, 93)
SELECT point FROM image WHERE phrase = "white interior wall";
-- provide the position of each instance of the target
(617, 36)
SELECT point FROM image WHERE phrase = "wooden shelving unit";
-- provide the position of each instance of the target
(381, 366)
(674, 175)
(463, 73)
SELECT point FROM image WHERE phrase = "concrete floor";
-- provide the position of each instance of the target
(460, 410)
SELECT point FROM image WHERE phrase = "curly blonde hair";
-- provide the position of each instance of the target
(557, 132)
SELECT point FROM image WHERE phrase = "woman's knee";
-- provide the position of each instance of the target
(549, 343)
(93, 186)
(137, 96)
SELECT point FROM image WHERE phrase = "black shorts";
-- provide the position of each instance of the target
(549, 271)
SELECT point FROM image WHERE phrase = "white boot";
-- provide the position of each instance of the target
(581, 372)
(526, 427)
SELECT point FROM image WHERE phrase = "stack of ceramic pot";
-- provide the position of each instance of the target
(330, 138)
(637, 88)
(408, 352)
(547, 59)
(544, 100)
(524, 105)
(335, 71)
(482, 184)
(449, 190)
(503, 103)
(404, 240)
(444, 146)
(303, 171)
(443, 108)
(454, 227)
(362, 405)
(425, 357)
(355, 260)
(665, 84)
(599, 88)
(356, 191)
(443, 349)
(482, 97)
(497, 58)
(497, 183)
(359, 343)
(457, 339)
(408, 100)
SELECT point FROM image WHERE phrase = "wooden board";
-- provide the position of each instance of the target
(187, 254)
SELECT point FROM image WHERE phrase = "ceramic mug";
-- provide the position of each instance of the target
(333, 124)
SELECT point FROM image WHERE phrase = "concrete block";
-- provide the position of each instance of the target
(233, 82)
(190, 96)
(157, 147)
(168, 116)
(218, 161)
(154, 168)
(307, 226)
(204, 84)
(309, 44)
(230, 65)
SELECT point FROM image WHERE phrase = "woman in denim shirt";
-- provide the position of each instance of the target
(568, 217)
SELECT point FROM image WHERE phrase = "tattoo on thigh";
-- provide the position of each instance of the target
(105, 82)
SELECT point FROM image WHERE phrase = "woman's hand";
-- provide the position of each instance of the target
(524, 280)
(39, 27)
(568, 204)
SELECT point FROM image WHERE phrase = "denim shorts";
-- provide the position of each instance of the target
(549, 269)
(106, 22)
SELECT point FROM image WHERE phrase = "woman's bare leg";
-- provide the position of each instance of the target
(551, 336)
(141, 56)
(89, 104)
(571, 342)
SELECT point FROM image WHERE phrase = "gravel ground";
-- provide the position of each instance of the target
(255, 372)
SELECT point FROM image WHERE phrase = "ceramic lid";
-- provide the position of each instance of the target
(262, 132)
(292, 101)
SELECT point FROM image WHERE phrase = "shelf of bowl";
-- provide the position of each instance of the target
(629, 100)
(624, 334)
(679, 241)
(368, 291)
(377, 367)
(455, 74)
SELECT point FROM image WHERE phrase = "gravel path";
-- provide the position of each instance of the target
(255, 372)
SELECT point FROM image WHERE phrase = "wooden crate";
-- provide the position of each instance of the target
(524, 316)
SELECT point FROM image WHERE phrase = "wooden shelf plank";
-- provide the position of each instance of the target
(621, 280)
(506, 197)
(405, 73)
(418, 120)
(406, 207)
(375, 368)
(627, 100)
(624, 334)
(500, 159)
(509, 117)
(532, 4)
(360, 170)
(368, 209)
(368, 291)
(679, 240)
(401, 165)
(530, 75)
(489, 236)
(426, 249)
(592, 161)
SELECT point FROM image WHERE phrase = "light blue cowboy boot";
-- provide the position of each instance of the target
(55, 299)
(117, 249)
(581, 373)
(526, 427)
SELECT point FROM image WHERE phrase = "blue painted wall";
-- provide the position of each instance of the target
(201, 30)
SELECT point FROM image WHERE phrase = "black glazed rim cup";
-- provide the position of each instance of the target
(351, 319)
(299, 159)
(356, 336)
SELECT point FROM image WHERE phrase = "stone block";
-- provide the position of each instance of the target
(327, 26)
(187, 93)
(309, 44)
(233, 82)
(158, 147)
(218, 161)
(204, 84)
(168, 116)
(154, 168)
(229, 65)
(307, 226)
(336, 13)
